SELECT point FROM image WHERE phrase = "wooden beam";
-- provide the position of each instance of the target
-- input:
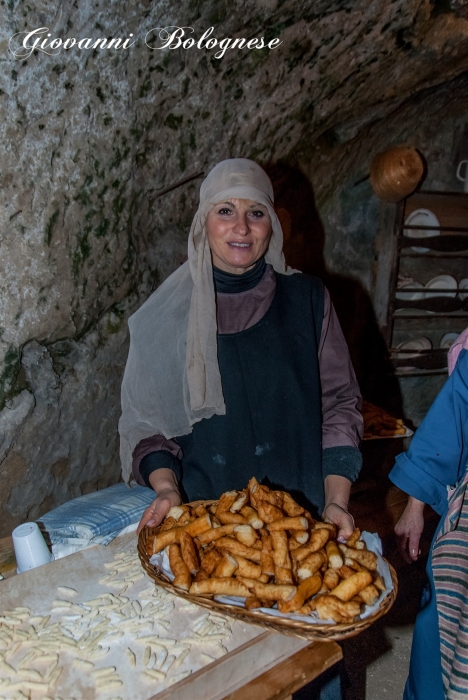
(7, 555)
(280, 682)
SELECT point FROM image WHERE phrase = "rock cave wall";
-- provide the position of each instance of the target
(93, 141)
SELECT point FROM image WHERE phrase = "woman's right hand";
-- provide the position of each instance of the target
(165, 485)
(409, 529)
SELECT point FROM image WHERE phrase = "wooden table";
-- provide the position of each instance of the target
(7, 556)
(267, 666)
(291, 674)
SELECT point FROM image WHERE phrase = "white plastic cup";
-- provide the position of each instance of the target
(30, 547)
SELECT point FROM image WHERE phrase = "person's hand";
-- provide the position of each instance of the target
(337, 490)
(409, 529)
(165, 485)
(160, 507)
(339, 516)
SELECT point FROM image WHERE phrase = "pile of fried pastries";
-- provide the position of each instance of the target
(379, 423)
(260, 545)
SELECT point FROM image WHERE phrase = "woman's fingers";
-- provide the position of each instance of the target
(154, 514)
(342, 519)
(413, 545)
(148, 517)
(408, 531)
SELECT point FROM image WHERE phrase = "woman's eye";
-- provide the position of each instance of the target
(257, 213)
(224, 210)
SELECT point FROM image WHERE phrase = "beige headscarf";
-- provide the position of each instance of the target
(172, 377)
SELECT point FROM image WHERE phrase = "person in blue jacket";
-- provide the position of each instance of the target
(429, 472)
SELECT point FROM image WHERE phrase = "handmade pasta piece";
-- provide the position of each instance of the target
(318, 539)
(369, 594)
(189, 552)
(66, 590)
(266, 563)
(329, 607)
(247, 568)
(331, 578)
(325, 526)
(300, 536)
(378, 583)
(215, 533)
(305, 590)
(220, 586)
(226, 567)
(354, 538)
(290, 523)
(351, 564)
(351, 586)
(225, 502)
(290, 506)
(279, 541)
(275, 498)
(269, 591)
(252, 517)
(164, 538)
(281, 558)
(311, 565)
(308, 607)
(362, 556)
(345, 571)
(235, 547)
(198, 526)
(335, 558)
(210, 560)
(228, 518)
(239, 502)
(268, 512)
(245, 534)
(179, 568)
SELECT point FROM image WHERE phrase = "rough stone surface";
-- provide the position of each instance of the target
(89, 140)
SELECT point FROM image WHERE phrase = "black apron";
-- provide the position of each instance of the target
(271, 384)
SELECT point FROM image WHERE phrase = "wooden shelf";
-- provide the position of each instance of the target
(429, 315)
(432, 315)
(451, 208)
(431, 254)
(420, 372)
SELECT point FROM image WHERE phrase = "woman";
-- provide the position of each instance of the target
(238, 367)
(436, 461)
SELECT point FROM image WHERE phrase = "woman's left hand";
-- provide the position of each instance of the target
(339, 516)
(337, 490)
(159, 508)
(165, 485)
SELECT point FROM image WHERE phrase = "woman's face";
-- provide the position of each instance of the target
(238, 231)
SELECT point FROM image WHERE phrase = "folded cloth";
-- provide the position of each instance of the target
(60, 550)
(96, 518)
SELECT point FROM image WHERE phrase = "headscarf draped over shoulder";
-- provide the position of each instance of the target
(172, 378)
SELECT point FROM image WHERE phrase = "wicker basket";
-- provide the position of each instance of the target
(295, 628)
(396, 173)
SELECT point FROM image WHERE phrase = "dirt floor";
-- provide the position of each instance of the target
(377, 660)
